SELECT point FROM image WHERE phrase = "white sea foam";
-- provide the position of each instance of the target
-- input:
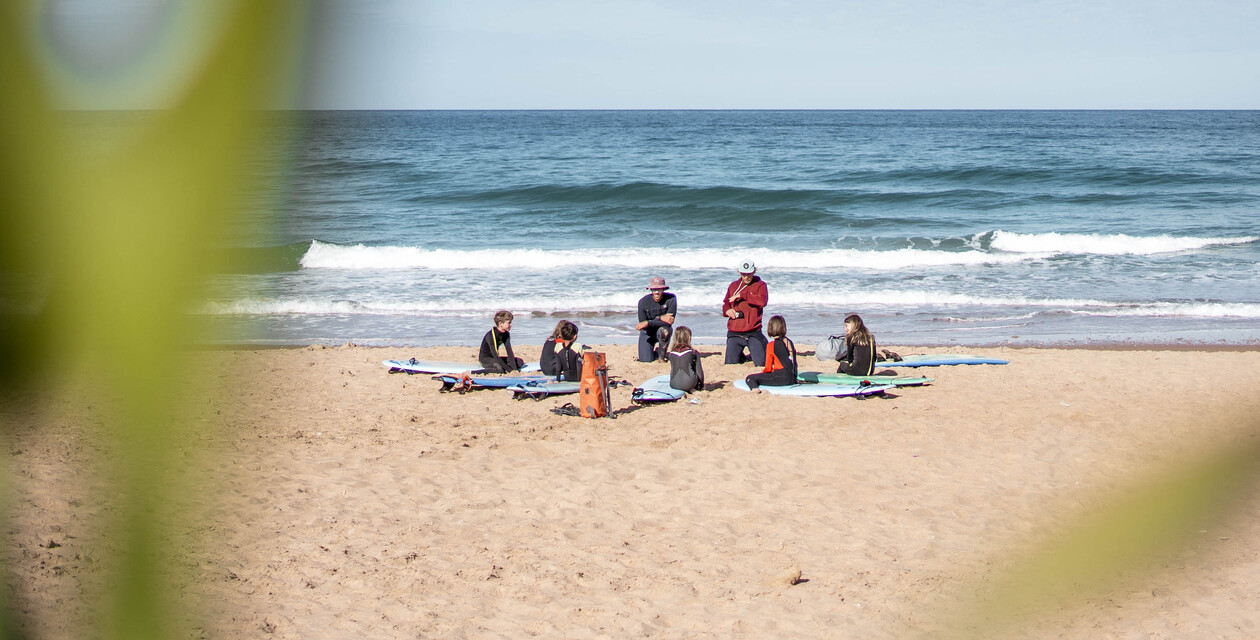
(1112, 245)
(1005, 248)
(330, 256)
(705, 301)
(1180, 309)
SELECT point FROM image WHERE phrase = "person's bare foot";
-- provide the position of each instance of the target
(755, 390)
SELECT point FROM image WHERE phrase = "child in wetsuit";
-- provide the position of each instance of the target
(499, 336)
(564, 364)
(859, 356)
(780, 369)
(685, 370)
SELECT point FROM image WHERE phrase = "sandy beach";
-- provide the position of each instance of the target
(336, 500)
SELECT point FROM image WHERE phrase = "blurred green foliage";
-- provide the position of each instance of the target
(110, 249)
(1134, 531)
(106, 252)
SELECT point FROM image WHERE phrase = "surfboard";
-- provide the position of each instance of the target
(820, 390)
(655, 390)
(540, 390)
(431, 366)
(938, 360)
(814, 377)
(497, 382)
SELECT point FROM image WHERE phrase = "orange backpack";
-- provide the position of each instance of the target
(593, 391)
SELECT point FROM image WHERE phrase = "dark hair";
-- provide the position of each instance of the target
(777, 327)
(861, 335)
(564, 330)
(503, 316)
(682, 339)
(555, 333)
(568, 331)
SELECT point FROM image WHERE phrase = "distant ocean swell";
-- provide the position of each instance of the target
(1004, 176)
(940, 188)
(940, 179)
(995, 247)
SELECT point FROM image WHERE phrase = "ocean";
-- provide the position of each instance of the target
(411, 228)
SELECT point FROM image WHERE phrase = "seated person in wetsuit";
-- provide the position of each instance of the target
(685, 371)
(656, 321)
(780, 369)
(497, 337)
(858, 358)
(564, 364)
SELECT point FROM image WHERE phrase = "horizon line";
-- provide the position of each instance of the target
(706, 109)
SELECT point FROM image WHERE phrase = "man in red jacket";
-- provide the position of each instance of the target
(745, 299)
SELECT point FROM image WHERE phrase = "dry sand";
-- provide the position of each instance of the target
(340, 501)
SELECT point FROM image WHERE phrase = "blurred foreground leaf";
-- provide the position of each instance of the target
(110, 249)
(1151, 524)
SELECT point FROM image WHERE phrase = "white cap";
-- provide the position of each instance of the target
(747, 266)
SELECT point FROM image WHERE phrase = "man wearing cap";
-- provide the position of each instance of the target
(656, 321)
(742, 306)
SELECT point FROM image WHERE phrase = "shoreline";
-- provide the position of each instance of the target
(1203, 347)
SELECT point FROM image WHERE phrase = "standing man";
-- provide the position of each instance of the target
(656, 321)
(745, 299)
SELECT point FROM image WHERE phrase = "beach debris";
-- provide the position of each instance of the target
(790, 577)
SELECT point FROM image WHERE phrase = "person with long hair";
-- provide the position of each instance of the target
(780, 368)
(564, 364)
(859, 356)
(685, 371)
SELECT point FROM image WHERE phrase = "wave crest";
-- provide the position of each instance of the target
(1110, 245)
(330, 256)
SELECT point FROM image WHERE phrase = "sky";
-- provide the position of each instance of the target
(711, 54)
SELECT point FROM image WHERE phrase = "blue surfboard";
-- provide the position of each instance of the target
(540, 390)
(497, 382)
(432, 366)
(655, 390)
(939, 360)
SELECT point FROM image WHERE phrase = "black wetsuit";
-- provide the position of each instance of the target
(685, 370)
(548, 359)
(564, 364)
(859, 359)
(489, 356)
(654, 338)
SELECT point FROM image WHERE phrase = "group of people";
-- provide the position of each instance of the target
(558, 359)
(743, 304)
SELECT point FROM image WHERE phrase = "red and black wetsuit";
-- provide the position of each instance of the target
(780, 367)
